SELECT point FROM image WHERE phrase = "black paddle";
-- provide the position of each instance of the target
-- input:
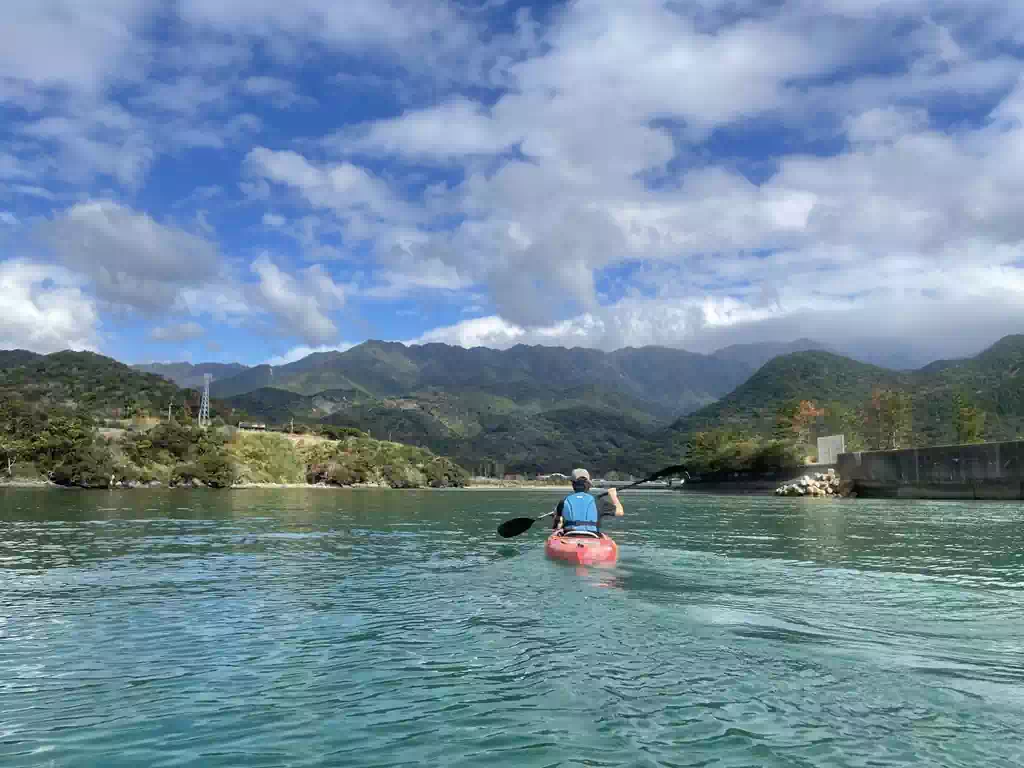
(519, 525)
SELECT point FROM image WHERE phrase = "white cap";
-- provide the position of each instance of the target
(580, 474)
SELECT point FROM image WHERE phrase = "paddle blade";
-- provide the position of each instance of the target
(514, 527)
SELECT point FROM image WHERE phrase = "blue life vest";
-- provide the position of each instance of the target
(579, 512)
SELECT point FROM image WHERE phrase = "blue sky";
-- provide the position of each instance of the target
(252, 180)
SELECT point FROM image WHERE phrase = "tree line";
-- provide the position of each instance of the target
(884, 422)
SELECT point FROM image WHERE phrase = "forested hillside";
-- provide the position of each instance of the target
(795, 398)
(81, 419)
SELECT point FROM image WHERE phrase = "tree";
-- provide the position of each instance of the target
(968, 420)
(843, 420)
(11, 449)
(890, 417)
(795, 421)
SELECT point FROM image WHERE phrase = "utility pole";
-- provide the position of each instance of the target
(169, 413)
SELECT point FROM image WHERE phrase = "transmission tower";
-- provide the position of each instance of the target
(204, 405)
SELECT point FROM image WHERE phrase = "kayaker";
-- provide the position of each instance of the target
(580, 511)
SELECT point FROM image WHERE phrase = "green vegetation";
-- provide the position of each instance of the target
(80, 419)
(529, 409)
(267, 458)
(969, 421)
(799, 397)
(364, 460)
(524, 410)
(71, 452)
(730, 450)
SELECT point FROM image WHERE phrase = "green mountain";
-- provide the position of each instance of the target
(89, 383)
(668, 381)
(82, 419)
(12, 358)
(992, 381)
(528, 408)
(546, 409)
(190, 376)
(817, 376)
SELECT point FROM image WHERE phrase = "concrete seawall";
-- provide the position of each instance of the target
(985, 471)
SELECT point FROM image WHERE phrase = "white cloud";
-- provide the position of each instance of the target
(275, 90)
(909, 203)
(129, 258)
(9, 219)
(942, 314)
(43, 309)
(344, 188)
(55, 43)
(297, 353)
(88, 141)
(302, 305)
(405, 28)
(188, 331)
(455, 129)
(645, 170)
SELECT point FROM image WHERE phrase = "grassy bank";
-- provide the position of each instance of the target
(65, 448)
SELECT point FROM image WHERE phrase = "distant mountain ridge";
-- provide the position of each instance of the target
(535, 408)
(190, 376)
(12, 358)
(531, 408)
(672, 381)
(757, 354)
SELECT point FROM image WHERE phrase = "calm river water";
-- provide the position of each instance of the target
(376, 628)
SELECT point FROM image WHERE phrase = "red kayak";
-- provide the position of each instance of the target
(582, 549)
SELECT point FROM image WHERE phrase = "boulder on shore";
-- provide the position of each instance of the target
(821, 484)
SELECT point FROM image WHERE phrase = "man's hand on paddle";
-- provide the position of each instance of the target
(613, 495)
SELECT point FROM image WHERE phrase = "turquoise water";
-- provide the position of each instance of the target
(375, 628)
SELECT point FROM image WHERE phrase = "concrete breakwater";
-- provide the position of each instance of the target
(982, 471)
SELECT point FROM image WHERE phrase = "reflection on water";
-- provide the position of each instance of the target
(362, 628)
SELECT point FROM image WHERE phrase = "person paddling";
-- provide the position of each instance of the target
(580, 512)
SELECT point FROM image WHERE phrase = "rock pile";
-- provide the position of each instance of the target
(822, 484)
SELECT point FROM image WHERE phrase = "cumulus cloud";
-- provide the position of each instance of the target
(348, 190)
(909, 214)
(44, 309)
(303, 305)
(642, 172)
(421, 32)
(129, 258)
(68, 43)
(452, 130)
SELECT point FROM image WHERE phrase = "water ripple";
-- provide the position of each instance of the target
(384, 629)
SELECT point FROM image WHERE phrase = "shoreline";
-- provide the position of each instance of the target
(498, 486)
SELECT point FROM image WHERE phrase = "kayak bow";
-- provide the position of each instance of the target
(582, 550)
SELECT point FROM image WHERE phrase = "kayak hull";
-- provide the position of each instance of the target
(582, 550)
